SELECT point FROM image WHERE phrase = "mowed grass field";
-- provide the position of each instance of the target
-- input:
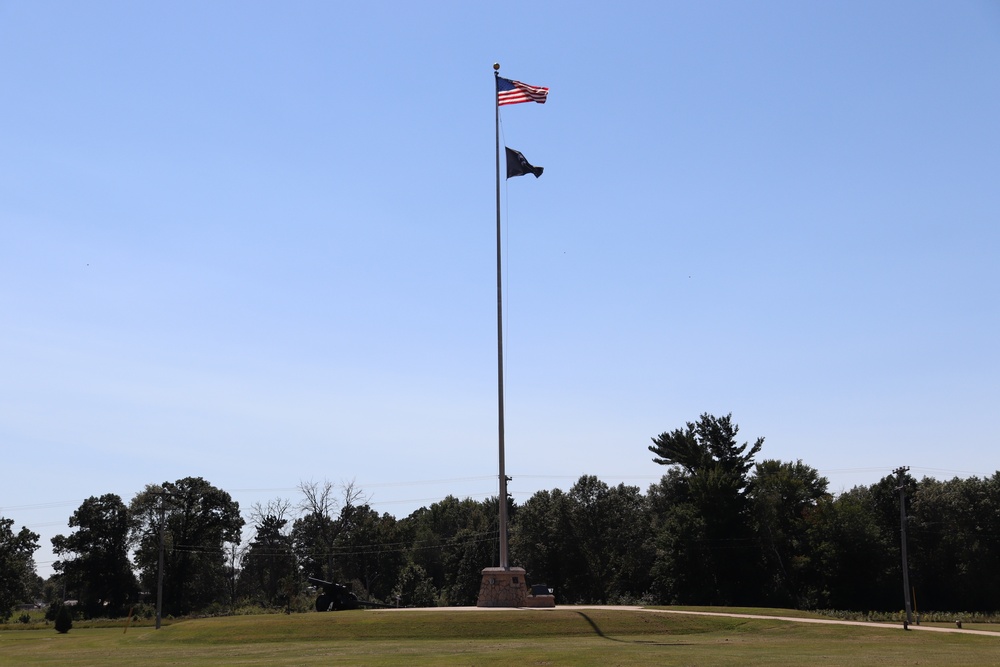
(564, 636)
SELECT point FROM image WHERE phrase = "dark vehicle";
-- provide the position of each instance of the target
(336, 597)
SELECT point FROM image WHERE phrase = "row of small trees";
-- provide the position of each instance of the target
(718, 528)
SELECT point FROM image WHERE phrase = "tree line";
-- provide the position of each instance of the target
(719, 528)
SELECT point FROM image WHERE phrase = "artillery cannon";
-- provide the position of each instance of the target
(336, 597)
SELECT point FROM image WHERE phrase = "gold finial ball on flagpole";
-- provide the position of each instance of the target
(496, 66)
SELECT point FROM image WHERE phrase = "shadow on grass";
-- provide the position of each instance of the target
(600, 633)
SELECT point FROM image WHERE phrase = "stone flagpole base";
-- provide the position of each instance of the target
(503, 587)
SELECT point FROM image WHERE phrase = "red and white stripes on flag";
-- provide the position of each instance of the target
(515, 92)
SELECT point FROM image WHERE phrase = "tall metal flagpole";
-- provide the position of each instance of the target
(503, 473)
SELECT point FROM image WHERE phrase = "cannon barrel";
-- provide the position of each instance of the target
(336, 597)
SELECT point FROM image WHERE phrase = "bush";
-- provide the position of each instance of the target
(63, 620)
(143, 611)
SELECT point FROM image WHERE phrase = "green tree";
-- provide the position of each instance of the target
(315, 531)
(708, 445)
(369, 549)
(465, 555)
(683, 570)
(94, 558)
(855, 556)
(784, 497)
(199, 520)
(64, 620)
(415, 588)
(36, 587)
(954, 543)
(17, 566)
(541, 542)
(474, 546)
(610, 529)
(714, 527)
(313, 540)
(440, 535)
(269, 572)
(591, 544)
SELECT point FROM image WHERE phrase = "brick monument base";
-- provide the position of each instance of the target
(503, 587)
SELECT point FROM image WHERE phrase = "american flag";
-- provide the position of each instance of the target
(515, 92)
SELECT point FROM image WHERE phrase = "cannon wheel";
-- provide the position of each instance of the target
(323, 602)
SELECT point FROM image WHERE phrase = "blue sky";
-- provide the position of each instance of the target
(255, 242)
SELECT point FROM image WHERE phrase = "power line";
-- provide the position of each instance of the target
(357, 550)
(41, 506)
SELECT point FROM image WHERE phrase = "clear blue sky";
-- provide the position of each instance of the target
(255, 242)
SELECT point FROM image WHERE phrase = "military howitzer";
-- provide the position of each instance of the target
(336, 597)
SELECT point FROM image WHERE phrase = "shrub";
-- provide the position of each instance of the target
(63, 620)
(143, 611)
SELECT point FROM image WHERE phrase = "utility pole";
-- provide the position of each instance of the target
(162, 495)
(159, 571)
(901, 472)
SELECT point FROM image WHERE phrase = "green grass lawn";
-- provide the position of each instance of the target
(602, 637)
